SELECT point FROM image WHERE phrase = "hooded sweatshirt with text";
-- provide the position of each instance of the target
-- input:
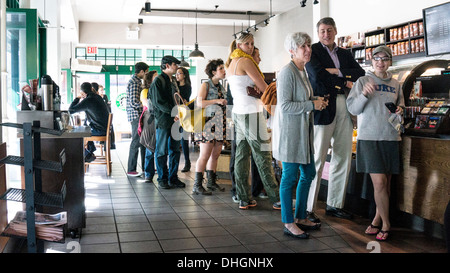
(372, 112)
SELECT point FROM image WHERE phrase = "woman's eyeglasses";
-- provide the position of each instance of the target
(384, 59)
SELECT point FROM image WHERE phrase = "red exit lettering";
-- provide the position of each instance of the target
(92, 50)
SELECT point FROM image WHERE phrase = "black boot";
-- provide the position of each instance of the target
(212, 178)
(198, 188)
(187, 167)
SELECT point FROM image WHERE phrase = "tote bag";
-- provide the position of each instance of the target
(192, 118)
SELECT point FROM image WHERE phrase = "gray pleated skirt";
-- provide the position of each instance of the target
(378, 157)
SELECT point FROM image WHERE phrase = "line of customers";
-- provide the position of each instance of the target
(315, 92)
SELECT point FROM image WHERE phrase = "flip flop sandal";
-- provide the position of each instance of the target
(384, 235)
(373, 233)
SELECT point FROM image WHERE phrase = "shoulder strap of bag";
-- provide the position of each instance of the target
(177, 98)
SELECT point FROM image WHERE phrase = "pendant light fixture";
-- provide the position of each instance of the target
(196, 54)
(183, 62)
(148, 7)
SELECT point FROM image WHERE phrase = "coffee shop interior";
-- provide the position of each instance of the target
(50, 47)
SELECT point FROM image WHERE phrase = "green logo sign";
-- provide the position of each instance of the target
(121, 101)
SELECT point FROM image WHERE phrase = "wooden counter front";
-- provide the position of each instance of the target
(424, 186)
(73, 173)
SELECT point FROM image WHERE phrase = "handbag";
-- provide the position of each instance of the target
(192, 118)
(148, 133)
(252, 92)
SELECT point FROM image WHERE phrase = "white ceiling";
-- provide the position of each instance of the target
(127, 11)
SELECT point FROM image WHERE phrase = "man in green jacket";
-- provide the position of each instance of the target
(161, 94)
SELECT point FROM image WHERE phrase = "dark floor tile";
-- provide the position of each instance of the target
(100, 248)
(165, 234)
(99, 220)
(172, 224)
(208, 231)
(206, 222)
(223, 213)
(141, 247)
(124, 206)
(154, 204)
(116, 201)
(131, 219)
(193, 208)
(228, 249)
(158, 210)
(99, 228)
(133, 227)
(99, 213)
(136, 236)
(254, 238)
(243, 228)
(272, 247)
(333, 241)
(194, 215)
(197, 250)
(162, 217)
(102, 238)
(123, 212)
(218, 241)
(305, 245)
(179, 244)
(225, 221)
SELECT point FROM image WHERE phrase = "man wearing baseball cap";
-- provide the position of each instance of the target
(161, 94)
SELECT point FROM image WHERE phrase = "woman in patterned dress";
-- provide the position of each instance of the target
(212, 97)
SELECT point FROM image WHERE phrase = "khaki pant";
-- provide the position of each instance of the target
(339, 135)
(252, 138)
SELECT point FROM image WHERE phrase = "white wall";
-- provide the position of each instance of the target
(217, 52)
(152, 35)
(270, 39)
(353, 16)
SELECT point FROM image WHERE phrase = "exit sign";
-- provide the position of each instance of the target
(92, 50)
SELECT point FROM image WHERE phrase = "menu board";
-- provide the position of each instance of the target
(437, 29)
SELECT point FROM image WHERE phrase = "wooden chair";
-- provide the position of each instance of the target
(102, 159)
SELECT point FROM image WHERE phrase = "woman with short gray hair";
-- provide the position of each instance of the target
(292, 133)
(296, 39)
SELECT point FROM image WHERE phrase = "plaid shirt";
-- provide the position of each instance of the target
(134, 104)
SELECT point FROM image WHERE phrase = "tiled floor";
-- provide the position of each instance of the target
(126, 215)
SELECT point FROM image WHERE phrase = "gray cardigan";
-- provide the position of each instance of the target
(293, 127)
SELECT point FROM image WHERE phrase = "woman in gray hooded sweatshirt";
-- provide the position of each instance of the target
(378, 140)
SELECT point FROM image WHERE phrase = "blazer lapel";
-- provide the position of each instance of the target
(328, 62)
(342, 59)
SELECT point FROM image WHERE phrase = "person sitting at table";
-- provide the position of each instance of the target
(96, 114)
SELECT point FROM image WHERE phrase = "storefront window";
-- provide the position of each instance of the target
(16, 41)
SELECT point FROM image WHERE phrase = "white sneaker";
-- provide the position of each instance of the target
(263, 195)
(134, 174)
(235, 198)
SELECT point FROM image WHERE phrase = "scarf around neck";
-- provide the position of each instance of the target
(237, 53)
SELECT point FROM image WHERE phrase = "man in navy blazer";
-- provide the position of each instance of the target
(332, 71)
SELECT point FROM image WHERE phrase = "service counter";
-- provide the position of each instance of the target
(423, 188)
(419, 193)
(73, 173)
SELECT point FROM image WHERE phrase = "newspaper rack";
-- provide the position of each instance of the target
(32, 195)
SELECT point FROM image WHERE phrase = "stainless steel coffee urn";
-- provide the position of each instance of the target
(46, 93)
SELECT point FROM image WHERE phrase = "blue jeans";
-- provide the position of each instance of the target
(288, 181)
(149, 166)
(166, 146)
